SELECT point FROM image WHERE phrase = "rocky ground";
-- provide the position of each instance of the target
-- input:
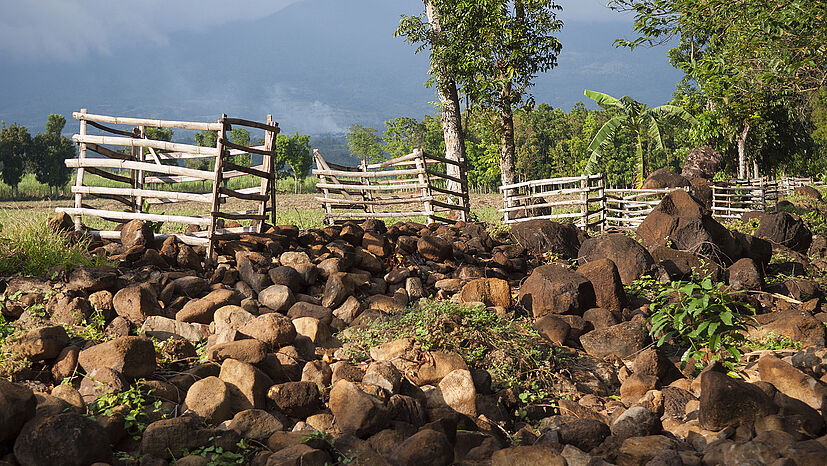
(413, 344)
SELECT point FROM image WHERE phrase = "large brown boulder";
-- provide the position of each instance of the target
(665, 179)
(702, 162)
(136, 233)
(682, 265)
(542, 236)
(682, 222)
(355, 411)
(608, 287)
(66, 439)
(785, 229)
(621, 340)
(554, 289)
(631, 259)
(134, 357)
(726, 401)
(17, 406)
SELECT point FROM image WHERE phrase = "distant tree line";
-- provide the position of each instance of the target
(42, 155)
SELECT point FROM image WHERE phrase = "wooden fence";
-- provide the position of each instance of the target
(413, 185)
(149, 168)
(579, 199)
(627, 208)
(730, 199)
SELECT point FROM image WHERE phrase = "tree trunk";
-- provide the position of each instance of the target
(756, 173)
(296, 180)
(742, 152)
(507, 148)
(449, 100)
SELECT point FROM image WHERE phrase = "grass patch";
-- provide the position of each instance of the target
(510, 349)
(28, 246)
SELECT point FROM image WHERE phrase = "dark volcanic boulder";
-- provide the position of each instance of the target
(434, 248)
(554, 289)
(17, 405)
(808, 191)
(608, 287)
(728, 402)
(663, 179)
(785, 229)
(632, 259)
(66, 439)
(681, 265)
(702, 162)
(541, 236)
(681, 220)
(745, 275)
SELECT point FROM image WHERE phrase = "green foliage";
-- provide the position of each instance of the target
(15, 149)
(774, 342)
(295, 152)
(509, 348)
(702, 317)
(218, 456)
(32, 247)
(637, 118)
(132, 404)
(6, 328)
(365, 143)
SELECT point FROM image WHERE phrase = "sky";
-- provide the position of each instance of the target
(317, 65)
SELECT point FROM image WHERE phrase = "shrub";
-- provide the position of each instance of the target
(701, 317)
(510, 349)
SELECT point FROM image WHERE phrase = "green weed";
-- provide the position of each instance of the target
(132, 403)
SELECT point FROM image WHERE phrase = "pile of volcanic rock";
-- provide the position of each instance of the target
(266, 315)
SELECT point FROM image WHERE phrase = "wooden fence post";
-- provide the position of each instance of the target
(602, 192)
(79, 176)
(584, 199)
(425, 185)
(216, 185)
(268, 186)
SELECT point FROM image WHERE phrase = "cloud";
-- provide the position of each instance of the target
(306, 115)
(68, 30)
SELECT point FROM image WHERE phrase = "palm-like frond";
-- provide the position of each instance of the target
(672, 110)
(602, 99)
(600, 140)
(654, 133)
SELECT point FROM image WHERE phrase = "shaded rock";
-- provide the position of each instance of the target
(169, 438)
(664, 178)
(544, 236)
(745, 275)
(631, 259)
(17, 406)
(65, 363)
(66, 439)
(41, 343)
(134, 357)
(605, 279)
(728, 402)
(620, 340)
(702, 162)
(796, 325)
(636, 422)
(785, 229)
(355, 411)
(301, 454)
(553, 328)
(527, 456)
(337, 288)
(99, 381)
(255, 424)
(249, 351)
(92, 279)
(683, 265)
(252, 268)
(808, 191)
(296, 399)
(425, 447)
(553, 289)
(434, 248)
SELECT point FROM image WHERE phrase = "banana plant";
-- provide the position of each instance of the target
(641, 120)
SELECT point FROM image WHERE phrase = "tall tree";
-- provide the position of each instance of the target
(15, 148)
(403, 135)
(638, 119)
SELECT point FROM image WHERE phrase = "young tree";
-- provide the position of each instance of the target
(15, 149)
(241, 137)
(295, 152)
(49, 152)
(365, 143)
(403, 135)
(637, 118)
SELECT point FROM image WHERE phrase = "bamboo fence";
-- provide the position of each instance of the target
(147, 168)
(380, 190)
(578, 199)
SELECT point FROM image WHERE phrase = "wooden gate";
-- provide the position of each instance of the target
(148, 172)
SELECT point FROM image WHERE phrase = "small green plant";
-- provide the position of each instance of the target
(510, 349)
(771, 341)
(701, 317)
(218, 456)
(6, 328)
(643, 287)
(132, 403)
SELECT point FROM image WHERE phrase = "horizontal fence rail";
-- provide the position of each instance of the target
(149, 168)
(418, 180)
(583, 200)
